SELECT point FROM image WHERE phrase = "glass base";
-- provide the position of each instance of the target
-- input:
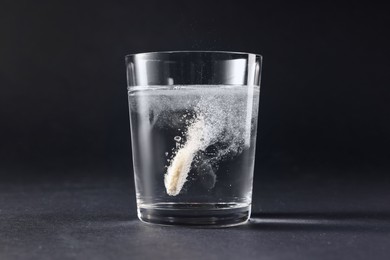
(195, 214)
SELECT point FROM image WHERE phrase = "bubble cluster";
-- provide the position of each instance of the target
(211, 124)
(221, 136)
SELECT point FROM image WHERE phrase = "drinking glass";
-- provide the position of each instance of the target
(193, 117)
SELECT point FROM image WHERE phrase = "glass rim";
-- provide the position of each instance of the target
(193, 51)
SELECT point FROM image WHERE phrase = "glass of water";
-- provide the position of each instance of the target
(193, 117)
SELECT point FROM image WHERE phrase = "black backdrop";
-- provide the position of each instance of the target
(324, 97)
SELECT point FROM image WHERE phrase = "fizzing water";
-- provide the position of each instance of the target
(193, 150)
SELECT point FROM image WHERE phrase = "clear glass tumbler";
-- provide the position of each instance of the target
(193, 117)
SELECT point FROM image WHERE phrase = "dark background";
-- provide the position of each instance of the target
(321, 187)
(324, 96)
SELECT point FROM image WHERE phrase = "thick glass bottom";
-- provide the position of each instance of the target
(195, 214)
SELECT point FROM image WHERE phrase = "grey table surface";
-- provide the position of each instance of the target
(95, 218)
